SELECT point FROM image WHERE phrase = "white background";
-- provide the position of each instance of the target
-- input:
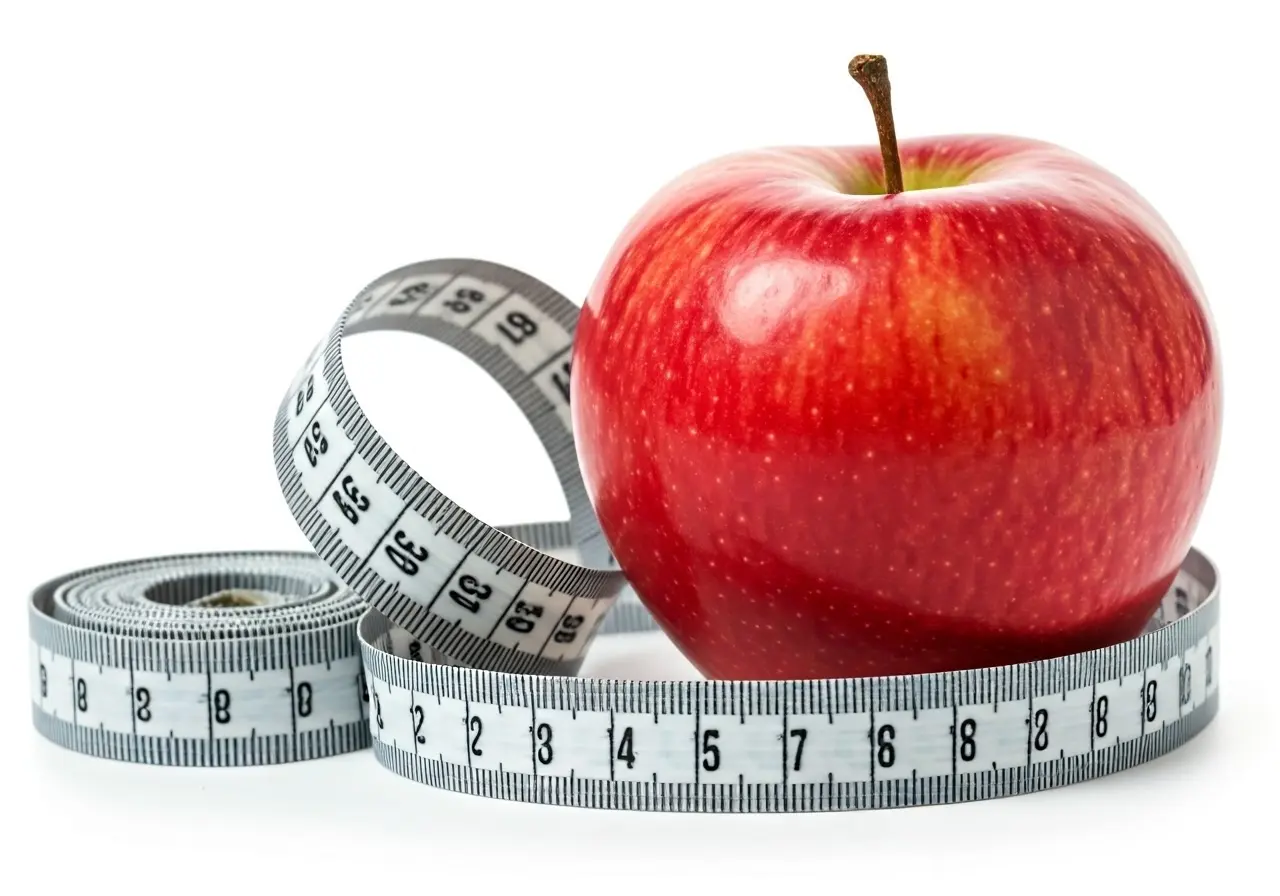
(188, 197)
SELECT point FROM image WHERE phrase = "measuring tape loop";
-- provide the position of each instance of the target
(458, 584)
(463, 671)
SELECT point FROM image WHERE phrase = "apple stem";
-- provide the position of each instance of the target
(872, 74)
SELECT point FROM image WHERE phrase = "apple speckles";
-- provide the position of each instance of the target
(976, 529)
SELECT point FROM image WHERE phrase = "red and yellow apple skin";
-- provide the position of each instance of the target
(832, 433)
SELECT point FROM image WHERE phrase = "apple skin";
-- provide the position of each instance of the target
(831, 433)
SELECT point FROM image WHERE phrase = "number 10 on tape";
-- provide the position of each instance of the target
(989, 730)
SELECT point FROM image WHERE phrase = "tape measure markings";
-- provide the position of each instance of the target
(795, 745)
(463, 557)
(119, 671)
(552, 318)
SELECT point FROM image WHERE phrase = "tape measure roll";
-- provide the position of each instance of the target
(462, 672)
(204, 660)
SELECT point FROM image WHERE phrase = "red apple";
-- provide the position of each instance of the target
(834, 431)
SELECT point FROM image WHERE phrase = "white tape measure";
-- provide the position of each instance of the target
(462, 669)
(221, 659)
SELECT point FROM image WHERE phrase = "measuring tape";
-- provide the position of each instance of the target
(452, 647)
(217, 659)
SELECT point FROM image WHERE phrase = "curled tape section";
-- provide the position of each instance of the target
(459, 585)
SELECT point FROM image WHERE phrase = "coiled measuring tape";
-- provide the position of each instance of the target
(217, 659)
(452, 647)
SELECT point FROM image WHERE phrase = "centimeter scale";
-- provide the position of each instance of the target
(452, 647)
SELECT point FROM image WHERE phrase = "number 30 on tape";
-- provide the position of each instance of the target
(453, 646)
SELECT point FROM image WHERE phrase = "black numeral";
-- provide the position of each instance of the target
(304, 394)
(710, 752)
(363, 685)
(885, 754)
(142, 697)
(377, 709)
(545, 753)
(477, 728)
(568, 630)
(464, 300)
(1100, 707)
(418, 716)
(44, 681)
(409, 294)
(473, 591)
(627, 748)
(800, 734)
(82, 695)
(356, 504)
(222, 706)
(405, 554)
(1184, 684)
(315, 444)
(1149, 701)
(561, 380)
(518, 327)
(1041, 719)
(1208, 667)
(303, 699)
(522, 623)
(968, 746)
